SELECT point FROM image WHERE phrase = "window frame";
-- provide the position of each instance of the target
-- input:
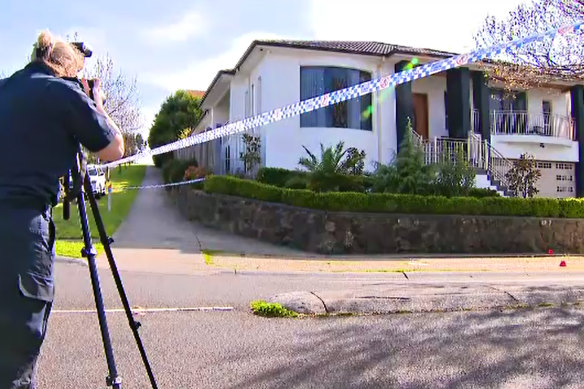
(363, 101)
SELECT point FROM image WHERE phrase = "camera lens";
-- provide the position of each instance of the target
(91, 84)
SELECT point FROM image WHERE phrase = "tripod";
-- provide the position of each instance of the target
(80, 188)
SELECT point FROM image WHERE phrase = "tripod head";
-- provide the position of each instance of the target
(73, 182)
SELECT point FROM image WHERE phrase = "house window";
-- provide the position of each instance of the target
(253, 107)
(446, 110)
(502, 100)
(228, 159)
(546, 107)
(509, 110)
(258, 94)
(545, 165)
(246, 104)
(354, 113)
(563, 166)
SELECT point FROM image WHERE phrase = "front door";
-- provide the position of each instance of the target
(420, 122)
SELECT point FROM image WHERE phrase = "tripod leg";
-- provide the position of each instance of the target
(106, 241)
(113, 379)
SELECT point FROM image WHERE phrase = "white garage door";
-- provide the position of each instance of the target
(557, 179)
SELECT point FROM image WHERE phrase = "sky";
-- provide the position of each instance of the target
(178, 44)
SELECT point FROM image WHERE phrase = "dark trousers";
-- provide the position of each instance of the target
(26, 292)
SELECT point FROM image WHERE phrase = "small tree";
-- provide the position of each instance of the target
(252, 155)
(523, 176)
(178, 112)
(407, 173)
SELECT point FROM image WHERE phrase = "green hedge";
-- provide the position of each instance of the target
(173, 170)
(278, 176)
(482, 192)
(396, 203)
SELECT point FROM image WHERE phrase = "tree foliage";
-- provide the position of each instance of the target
(251, 157)
(454, 177)
(539, 62)
(408, 172)
(178, 112)
(523, 176)
(122, 100)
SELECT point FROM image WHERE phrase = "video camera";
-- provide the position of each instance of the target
(87, 53)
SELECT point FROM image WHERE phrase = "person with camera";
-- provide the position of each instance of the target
(45, 114)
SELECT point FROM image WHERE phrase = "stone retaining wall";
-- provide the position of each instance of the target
(372, 233)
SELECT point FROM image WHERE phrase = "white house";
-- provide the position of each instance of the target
(548, 123)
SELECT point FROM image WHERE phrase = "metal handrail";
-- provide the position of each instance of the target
(525, 123)
(479, 153)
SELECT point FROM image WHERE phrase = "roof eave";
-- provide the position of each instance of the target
(220, 73)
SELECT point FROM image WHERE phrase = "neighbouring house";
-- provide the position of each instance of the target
(457, 109)
(197, 93)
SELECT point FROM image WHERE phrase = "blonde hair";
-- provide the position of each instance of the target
(63, 58)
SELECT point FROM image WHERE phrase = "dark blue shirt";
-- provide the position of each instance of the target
(43, 119)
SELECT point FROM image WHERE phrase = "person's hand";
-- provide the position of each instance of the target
(98, 95)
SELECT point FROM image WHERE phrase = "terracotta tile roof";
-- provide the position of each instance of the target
(355, 47)
(196, 93)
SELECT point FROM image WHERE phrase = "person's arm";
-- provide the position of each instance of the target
(88, 122)
(115, 149)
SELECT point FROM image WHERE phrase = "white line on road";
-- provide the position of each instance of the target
(148, 310)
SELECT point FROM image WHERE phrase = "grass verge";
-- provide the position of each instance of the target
(208, 256)
(72, 248)
(69, 241)
(262, 308)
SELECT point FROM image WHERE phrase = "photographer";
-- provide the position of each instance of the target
(45, 113)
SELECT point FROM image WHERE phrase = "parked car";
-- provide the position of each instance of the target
(98, 181)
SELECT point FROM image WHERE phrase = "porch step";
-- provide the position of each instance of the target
(482, 180)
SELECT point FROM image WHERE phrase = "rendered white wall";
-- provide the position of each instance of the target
(560, 101)
(281, 86)
(512, 146)
(221, 111)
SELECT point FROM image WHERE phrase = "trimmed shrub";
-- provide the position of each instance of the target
(396, 203)
(277, 176)
(572, 208)
(296, 182)
(174, 170)
(192, 173)
(245, 188)
(168, 168)
(482, 192)
(334, 182)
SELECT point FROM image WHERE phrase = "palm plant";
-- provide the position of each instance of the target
(330, 160)
(336, 170)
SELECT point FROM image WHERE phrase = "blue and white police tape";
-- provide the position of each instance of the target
(352, 92)
(157, 186)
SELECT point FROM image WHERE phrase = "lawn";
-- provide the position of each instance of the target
(69, 239)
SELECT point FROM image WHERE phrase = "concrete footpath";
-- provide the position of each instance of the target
(155, 237)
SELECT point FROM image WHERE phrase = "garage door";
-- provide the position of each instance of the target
(557, 179)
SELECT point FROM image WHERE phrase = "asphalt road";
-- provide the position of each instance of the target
(534, 348)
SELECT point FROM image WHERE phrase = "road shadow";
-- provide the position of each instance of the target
(537, 348)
